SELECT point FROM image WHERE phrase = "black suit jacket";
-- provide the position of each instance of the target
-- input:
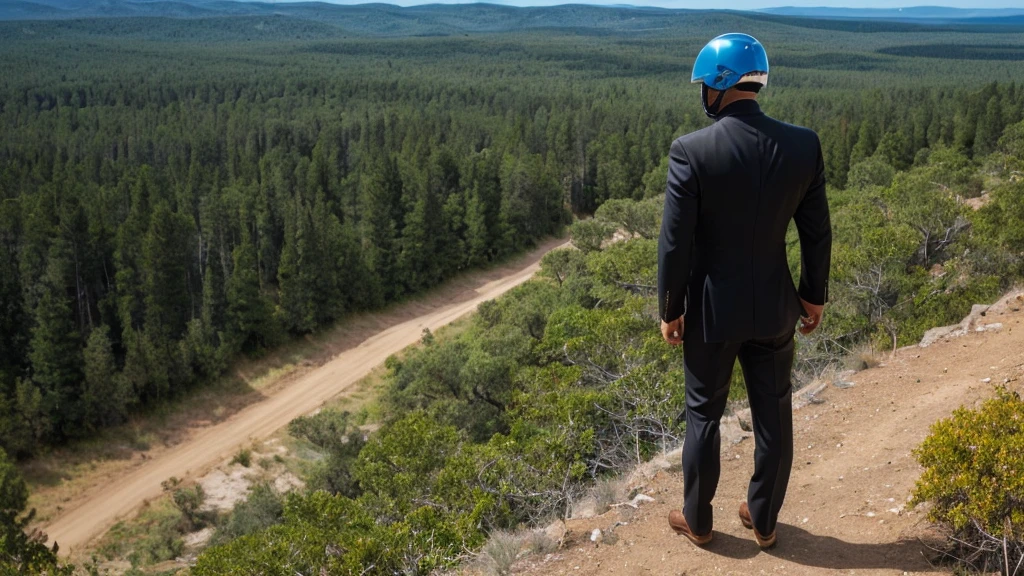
(732, 189)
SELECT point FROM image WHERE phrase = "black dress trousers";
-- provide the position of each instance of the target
(767, 365)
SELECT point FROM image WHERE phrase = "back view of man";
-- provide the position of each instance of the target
(725, 290)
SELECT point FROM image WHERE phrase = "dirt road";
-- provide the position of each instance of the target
(95, 511)
(853, 473)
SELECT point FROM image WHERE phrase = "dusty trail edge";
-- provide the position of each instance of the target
(95, 511)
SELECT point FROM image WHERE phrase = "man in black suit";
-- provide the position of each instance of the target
(724, 285)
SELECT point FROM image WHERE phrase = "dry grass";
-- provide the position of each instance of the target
(504, 549)
(863, 358)
(537, 542)
(607, 491)
(500, 553)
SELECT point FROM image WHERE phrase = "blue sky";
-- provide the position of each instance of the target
(733, 4)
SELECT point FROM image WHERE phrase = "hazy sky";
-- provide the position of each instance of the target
(734, 4)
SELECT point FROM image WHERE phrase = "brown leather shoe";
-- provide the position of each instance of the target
(765, 542)
(678, 523)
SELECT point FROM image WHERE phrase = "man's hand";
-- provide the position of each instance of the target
(673, 331)
(809, 323)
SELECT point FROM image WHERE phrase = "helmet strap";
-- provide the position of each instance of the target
(710, 109)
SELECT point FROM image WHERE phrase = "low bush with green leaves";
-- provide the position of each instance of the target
(262, 508)
(190, 502)
(153, 536)
(340, 439)
(974, 480)
(243, 457)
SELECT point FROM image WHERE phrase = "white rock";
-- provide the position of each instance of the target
(641, 499)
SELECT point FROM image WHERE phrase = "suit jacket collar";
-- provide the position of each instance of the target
(740, 108)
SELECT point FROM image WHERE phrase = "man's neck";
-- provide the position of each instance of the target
(736, 96)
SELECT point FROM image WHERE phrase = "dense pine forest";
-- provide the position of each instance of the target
(176, 193)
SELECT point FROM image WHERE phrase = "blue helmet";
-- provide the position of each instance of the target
(729, 60)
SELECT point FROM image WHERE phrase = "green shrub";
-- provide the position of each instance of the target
(974, 477)
(587, 235)
(264, 507)
(244, 457)
(151, 537)
(325, 534)
(873, 171)
(641, 219)
(189, 501)
(334, 433)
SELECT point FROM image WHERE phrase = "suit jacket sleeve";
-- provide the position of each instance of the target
(678, 223)
(815, 229)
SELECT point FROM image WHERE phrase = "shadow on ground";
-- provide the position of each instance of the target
(802, 547)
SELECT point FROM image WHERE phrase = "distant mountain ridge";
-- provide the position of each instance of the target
(912, 13)
(443, 19)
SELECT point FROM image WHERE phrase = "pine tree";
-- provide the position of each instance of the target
(214, 305)
(483, 202)
(295, 290)
(13, 317)
(202, 342)
(419, 256)
(965, 126)
(166, 253)
(54, 353)
(105, 398)
(990, 127)
(867, 140)
(382, 213)
(354, 276)
(128, 257)
(477, 232)
(329, 253)
(448, 237)
(250, 320)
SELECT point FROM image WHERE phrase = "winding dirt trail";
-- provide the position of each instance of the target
(852, 476)
(94, 511)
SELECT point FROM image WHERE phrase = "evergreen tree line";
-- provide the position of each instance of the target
(125, 287)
